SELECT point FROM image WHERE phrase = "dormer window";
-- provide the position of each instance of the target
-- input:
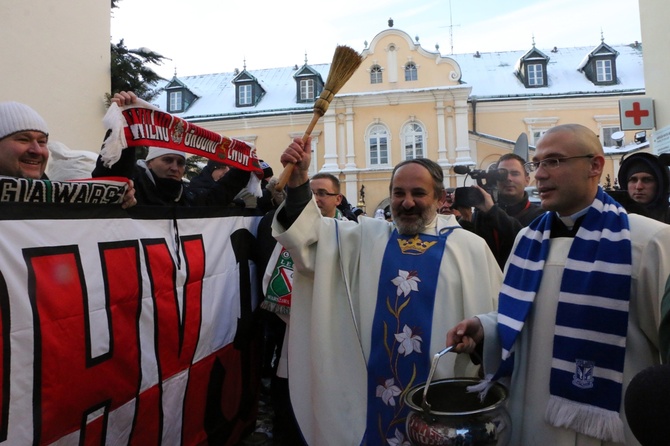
(376, 74)
(248, 91)
(599, 66)
(309, 84)
(175, 101)
(531, 69)
(410, 72)
(179, 97)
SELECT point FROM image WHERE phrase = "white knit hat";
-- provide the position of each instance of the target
(17, 117)
(155, 152)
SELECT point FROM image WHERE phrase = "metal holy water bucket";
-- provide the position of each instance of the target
(444, 413)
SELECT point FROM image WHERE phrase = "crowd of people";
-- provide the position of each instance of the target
(565, 303)
(578, 314)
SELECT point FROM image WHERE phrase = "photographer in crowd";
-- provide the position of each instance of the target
(499, 221)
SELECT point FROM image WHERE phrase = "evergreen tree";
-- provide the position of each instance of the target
(194, 165)
(130, 70)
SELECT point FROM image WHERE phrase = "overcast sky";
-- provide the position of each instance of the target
(212, 36)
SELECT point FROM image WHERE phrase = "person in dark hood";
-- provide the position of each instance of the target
(647, 181)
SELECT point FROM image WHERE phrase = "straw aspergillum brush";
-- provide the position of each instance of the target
(345, 62)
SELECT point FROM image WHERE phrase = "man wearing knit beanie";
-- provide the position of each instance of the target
(155, 152)
(157, 178)
(23, 146)
(166, 163)
(23, 141)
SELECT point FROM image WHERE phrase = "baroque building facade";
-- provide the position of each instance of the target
(405, 101)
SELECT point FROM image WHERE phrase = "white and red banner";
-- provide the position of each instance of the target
(122, 330)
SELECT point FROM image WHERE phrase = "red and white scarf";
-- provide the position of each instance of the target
(142, 124)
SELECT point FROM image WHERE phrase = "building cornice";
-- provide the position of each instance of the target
(401, 97)
(553, 103)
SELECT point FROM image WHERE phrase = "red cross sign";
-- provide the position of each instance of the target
(636, 114)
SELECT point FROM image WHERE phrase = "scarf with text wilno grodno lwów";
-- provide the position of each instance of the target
(142, 124)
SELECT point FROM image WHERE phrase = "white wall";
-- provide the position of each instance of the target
(54, 56)
(654, 15)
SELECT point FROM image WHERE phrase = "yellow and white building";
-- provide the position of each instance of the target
(406, 101)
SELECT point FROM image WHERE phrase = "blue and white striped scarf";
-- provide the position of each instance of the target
(591, 318)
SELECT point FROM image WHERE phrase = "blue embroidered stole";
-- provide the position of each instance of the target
(401, 331)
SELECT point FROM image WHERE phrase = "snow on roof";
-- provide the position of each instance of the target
(491, 75)
(216, 93)
(626, 148)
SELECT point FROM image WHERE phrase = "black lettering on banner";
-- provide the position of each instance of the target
(95, 429)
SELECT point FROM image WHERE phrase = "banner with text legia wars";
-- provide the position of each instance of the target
(124, 330)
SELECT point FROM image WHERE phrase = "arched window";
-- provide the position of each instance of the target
(376, 74)
(410, 72)
(378, 145)
(413, 140)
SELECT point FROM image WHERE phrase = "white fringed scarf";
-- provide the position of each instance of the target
(591, 319)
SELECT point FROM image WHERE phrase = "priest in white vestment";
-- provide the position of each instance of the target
(580, 307)
(339, 303)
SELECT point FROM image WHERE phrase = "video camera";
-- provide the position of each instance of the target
(486, 179)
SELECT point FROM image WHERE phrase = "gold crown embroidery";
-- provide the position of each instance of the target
(414, 246)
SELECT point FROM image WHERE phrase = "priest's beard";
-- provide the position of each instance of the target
(414, 220)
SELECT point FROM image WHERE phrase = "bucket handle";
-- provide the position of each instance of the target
(424, 403)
